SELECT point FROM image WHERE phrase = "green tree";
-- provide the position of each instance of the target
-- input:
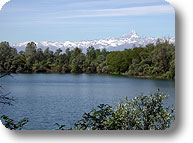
(58, 52)
(6, 57)
(77, 61)
(30, 49)
(157, 61)
(91, 60)
(77, 65)
(117, 62)
(90, 54)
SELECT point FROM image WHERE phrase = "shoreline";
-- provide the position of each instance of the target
(111, 74)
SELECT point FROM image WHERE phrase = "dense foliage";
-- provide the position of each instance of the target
(150, 61)
(139, 113)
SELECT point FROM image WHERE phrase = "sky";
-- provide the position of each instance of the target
(76, 20)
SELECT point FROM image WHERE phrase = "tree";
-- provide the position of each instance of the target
(39, 55)
(90, 54)
(77, 61)
(117, 62)
(58, 52)
(157, 61)
(77, 65)
(6, 57)
(91, 60)
(30, 49)
(102, 64)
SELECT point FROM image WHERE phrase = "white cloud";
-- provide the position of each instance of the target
(107, 2)
(132, 11)
(3, 2)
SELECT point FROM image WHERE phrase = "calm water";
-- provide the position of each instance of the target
(46, 99)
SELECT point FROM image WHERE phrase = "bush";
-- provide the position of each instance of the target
(10, 124)
(139, 113)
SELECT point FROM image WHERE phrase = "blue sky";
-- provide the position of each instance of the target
(75, 20)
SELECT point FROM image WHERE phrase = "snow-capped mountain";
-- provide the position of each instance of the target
(111, 44)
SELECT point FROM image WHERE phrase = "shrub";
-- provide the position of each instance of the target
(10, 124)
(139, 113)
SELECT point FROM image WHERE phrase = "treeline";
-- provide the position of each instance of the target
(157, 61)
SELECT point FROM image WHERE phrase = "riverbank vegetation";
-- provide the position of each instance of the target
(152, 61)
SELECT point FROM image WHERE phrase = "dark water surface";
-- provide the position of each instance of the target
(46, 99)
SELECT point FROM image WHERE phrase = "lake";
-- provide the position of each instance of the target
(46, 99)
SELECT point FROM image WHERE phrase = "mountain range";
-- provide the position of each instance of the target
(111, 44)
